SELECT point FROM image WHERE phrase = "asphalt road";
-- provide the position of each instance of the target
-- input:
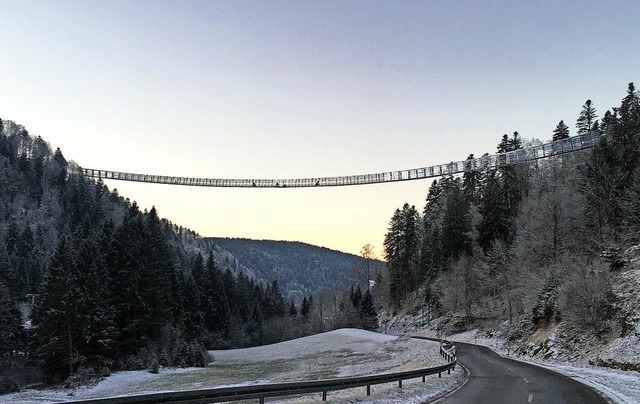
(494, 379)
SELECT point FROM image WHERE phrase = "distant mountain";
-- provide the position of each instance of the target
(300, 269)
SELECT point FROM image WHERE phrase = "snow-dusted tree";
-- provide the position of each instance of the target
(545, 309)
(586, 298)
(601, 185)
(461, 288)
(552, 218)
(505, 279)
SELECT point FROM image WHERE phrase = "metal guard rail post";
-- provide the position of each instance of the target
(261, 391)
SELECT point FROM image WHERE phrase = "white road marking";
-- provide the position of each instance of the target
(491, 361)
(510, 370)
(530, 398)
(525, 380)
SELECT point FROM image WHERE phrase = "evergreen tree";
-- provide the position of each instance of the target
(625, 134)
(305, 307)
(513, 178)
(609, 120)
(141, 269)
(431, 259)
(630, 107)
(610, 173)
(456, 226)
(505, 145)
(218, 312)
(254, 324)
(601, 186)
(11, 332)
(274, 304)
(471, 183)
(368, 313)
(402, 249)
(195, 302)
(545, 308)
(393, 250)
(587, 117)
(57, 316)
(157, 281)
(355, 295)
(97, 317)
(561, 131)
(431, 208)
(495, 223)
(293, 311)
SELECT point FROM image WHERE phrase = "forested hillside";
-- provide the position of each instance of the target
(90, 284)
(541, 252)
(300, 269)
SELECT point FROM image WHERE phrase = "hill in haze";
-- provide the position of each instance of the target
(300, 269)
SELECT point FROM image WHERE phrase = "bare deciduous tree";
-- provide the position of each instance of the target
(586, 297)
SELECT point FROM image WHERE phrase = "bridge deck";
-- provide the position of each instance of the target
(571, 144)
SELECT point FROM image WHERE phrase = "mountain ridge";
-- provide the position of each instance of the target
(300, 268)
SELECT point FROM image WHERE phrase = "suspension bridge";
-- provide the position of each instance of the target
(555, 148)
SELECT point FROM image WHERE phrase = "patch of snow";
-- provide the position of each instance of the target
(119, 383)
(336, 340)
(622, 352)
(633, 249)
(247, 383)
(346, 352)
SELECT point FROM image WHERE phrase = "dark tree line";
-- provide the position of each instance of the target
(114, 298)
(505, 237)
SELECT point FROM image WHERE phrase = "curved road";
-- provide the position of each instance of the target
(494, 379)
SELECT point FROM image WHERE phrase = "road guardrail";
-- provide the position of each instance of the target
(262, 391)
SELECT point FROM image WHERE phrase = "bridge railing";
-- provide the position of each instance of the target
(558, 147)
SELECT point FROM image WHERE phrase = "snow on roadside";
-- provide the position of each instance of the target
(621, 386)
(412, 392)
(340, 353)
(118, 383)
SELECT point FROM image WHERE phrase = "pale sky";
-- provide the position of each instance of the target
(287, 89)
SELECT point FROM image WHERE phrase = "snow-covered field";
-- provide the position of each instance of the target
(621, 386)
(346, 352)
